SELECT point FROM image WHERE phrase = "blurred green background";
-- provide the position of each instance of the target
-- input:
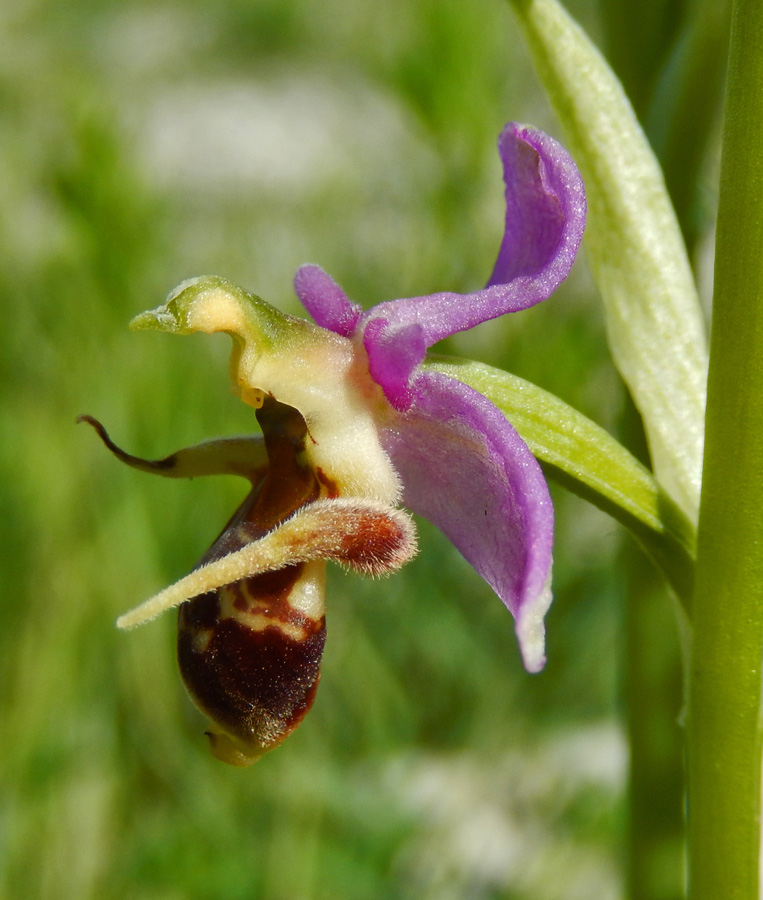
(144, 143)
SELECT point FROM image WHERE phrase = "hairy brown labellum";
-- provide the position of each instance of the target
(251, 662)
(251, 622)
(250, 652)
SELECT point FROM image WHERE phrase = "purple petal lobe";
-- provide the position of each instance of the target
(545, 212)
(465, 468)
(545, 218)
(326, 302)
(393, 354)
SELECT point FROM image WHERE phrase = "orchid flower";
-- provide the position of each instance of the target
(352, 426)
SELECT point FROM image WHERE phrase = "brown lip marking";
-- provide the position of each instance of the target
(268, 595)
(332, 490)
(287, 485)
(203, 612)
(375, 542)
(268, 592)
(256, 685)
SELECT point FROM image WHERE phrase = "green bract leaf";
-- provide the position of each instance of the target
(654, 321)
(586, 459)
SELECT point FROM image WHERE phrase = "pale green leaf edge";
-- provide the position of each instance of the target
(587, 460)
(655, 324)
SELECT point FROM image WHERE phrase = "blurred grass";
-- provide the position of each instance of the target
(144, 144)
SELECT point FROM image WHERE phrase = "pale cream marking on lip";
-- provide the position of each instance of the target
(201, 639)
(257, 622)
(256, 618)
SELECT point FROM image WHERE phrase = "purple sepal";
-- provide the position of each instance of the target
(545, 218)
(545, 215)
(326, 302)
(392, 357)
(465, 468)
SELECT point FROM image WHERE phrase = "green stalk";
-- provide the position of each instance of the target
(653, 669)
(725, 737)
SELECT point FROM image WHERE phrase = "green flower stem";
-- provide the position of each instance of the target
(725, 737)
(587, 460)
